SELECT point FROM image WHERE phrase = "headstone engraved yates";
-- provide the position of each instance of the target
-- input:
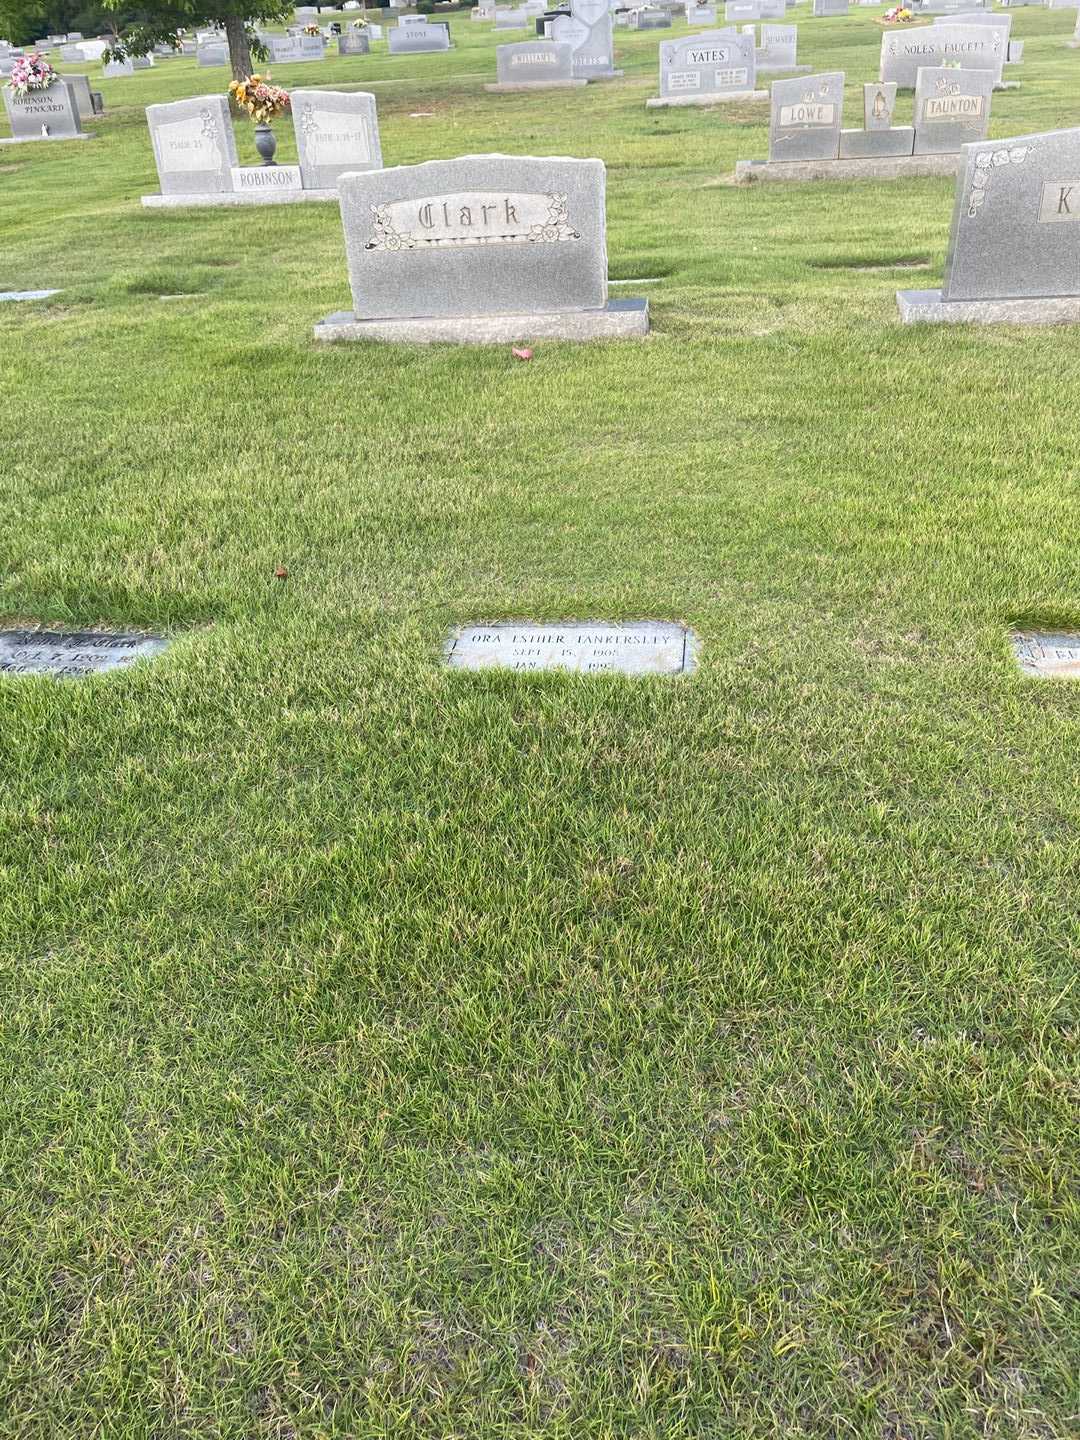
(590, 647)
(1048, 653)
(70, 654)
(482, 248)
(706, 69)
(1014, 249)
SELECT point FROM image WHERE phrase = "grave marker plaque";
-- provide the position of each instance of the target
(590, 647)
(1048, 653)
(72, 655)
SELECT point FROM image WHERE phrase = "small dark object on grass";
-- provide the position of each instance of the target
(521, 354)
(281, 573)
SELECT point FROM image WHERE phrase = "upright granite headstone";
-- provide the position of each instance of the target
(194, 145)
(291, 49)
(417, 39)
(805, 116)
(952, 109)
(650, 18)
(879, 102)
(588, 30)
(701, 15)
(511, 17)
(975, 47)
(212, 54)
(51, 114)
(534, 65)
(84, 96)
(779, 44)
(117, 69)
(739, 10)
(481, 248)
(1014, 250)
(707, 68)
(336, 131)
(829, 9)
(354, 42)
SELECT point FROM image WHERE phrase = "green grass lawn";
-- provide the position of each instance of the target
(392, 1052)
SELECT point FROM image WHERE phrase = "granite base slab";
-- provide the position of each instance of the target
(927, 307)
(900, 167)
(509, 88)
(237, 197)
(877, 144)
(35, 139)
(665, 102)
(618, 320)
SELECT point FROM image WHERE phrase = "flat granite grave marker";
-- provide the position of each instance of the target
(1014, 248)
(975, 47)
(707, 69)
(584, 647)
(73, 654)
(6, 295)
(952, 108)
(479, 249)
(51, 114)
(589, 31)
(1047, 653)
(534, 65)
(336, 131)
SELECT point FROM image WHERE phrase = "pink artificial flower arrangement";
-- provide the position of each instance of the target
(31, 72)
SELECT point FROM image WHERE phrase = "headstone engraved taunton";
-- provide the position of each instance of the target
(975, 47)
(588, 30)
(194, 146)
(51, 114)
(336, 131)
(952, 108)
(706, 69)
(584, 647)
(1014, 248)
(485, 248)
(534, 65)
(72, 655)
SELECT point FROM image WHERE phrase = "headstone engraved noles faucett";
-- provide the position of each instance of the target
(1048, 653)
(707, 68)
(1014, 249)
(952, 109)
(975, 47)
(72, 655)
(194, 146)
(336, 131)
(648, 647)
(470, 240)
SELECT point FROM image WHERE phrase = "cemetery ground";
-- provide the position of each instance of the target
(394, 1051)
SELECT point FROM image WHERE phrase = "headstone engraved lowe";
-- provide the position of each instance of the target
(73, 654)
(1014, 248)
(483, 249)
(584, 647)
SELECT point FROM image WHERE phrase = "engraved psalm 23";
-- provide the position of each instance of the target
(471, 219)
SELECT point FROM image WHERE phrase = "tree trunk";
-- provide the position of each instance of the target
(239, 49)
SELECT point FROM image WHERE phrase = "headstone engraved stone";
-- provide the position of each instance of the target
(1014, 249)
(335, 132)
(51, 114)
(418, 39)
(805, 117)
(952, 108)
(483, 248)
(194, 145)
(72, 655)
(975, 47)
(1051, 654)
(353, 42)
(583, 647)
(534, 65)
(588, 30)
(707, 68)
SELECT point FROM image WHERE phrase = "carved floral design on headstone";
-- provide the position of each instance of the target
(984, 169)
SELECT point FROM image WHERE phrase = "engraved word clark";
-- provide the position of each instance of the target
(476, 218)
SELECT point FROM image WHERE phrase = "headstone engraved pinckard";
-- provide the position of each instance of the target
(481, 249)
(583, 647)
(73, 654)
(1014, 248)
(336, 131)
(1048, 654)
(534, 65)
(194, 145)
(706, 69)
(588, 30)
(975, 47)
(805, 117)
(354, 42)
(418, 39)
(952, 109)
(51, 114)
